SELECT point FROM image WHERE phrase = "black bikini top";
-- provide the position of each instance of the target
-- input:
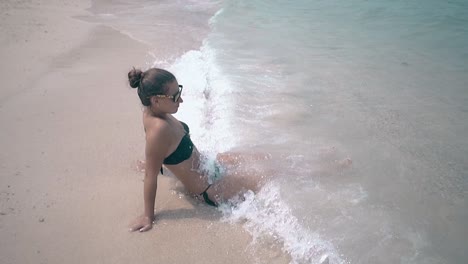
(183, 151)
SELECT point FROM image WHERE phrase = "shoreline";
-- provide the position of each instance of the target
(73, 135)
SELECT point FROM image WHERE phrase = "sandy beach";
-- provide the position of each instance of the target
(71, 138)
(361, 107)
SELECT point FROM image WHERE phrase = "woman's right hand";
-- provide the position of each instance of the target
(142, 223)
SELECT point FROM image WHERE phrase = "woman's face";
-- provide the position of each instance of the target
(166, 102)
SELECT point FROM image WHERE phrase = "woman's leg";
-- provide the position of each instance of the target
(240, 174)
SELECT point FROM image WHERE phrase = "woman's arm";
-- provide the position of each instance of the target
(157, 145)
(156, 149)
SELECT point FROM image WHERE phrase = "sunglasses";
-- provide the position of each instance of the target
(174, 97)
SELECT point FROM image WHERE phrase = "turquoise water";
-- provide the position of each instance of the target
(383, 84)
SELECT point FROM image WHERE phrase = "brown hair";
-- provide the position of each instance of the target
(150, 82)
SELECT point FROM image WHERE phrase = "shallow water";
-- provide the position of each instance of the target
(314, 83)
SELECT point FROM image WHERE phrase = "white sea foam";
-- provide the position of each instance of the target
(265, 214)
(208, 106)
(212, 20)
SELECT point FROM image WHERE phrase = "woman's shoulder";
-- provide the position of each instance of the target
(156, 126)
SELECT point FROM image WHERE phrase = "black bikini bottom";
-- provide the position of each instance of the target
(207, 199)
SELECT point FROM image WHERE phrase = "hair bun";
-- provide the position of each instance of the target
(134, 77)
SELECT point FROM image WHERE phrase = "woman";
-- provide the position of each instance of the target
(168, 142)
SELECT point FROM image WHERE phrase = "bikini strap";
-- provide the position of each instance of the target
(206, 189)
